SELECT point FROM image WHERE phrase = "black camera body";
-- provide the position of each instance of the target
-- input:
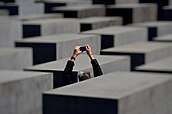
(82, 48)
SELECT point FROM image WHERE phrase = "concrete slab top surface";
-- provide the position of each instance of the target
(113, 30)
(131, 5)
(79, 7)
(115, 85)
(51, 20)
(56, 38)
(99, 19)
(154, 24)
(82, 62)
(10, 76)
(38, 16)
(139, 47)
(3, 11)
(165, 38)
(168, 7)
(162, 65)
(9, 4)
(7, 51)
(67, 1)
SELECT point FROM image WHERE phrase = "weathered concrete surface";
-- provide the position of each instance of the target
(10, 30)
(142, 52)
(118, 35)
(51, 26)
(99, 22)
(107, 63)
(133, 13)
(162, 66)
(15, 58)
(50, 48)
(156, 28)
(81, 11)
(115, 93)
(21, 92)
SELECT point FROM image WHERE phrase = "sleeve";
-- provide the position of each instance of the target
(96, 68)
(67, 75)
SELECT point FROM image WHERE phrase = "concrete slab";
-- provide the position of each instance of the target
(167, 10)
(13, 9)
(81, 11)
(115, 93)
(10, 30)
(165, 38)
(11, 27)
(160, 4)
(156, 28)
(50, 48)
(50, 4)
(18, 1)
(15, 58)
(119, 35)
(36, 17)
(141, 52)
(23, 9)
(162, 66)
(108, 2)
(107, 63)
(133, 13)
(4, 13)
(22, 91)
(99, 22)
(33, 8)
(46, 27)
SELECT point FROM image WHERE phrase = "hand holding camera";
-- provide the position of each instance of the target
(79, 49)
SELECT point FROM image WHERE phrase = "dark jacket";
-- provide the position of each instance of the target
(69, 67)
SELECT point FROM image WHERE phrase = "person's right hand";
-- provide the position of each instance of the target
(76, 51)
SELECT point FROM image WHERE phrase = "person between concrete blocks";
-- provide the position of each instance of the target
(82, 75)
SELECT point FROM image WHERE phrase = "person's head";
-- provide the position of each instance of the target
(84, 75)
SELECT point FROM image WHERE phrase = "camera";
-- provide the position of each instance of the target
(82, 48)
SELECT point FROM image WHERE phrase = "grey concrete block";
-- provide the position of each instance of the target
(36, 17)
(11, 27)
(118, 35)
(167, 10)
(115, 93)
(142, 52)
(46, 27)
(69, 2)
(107, 2)
(162, 66)
(133, 13)
(50, 48)
(165, 38)
(23, 9)
(81, 11)
(50, 4)
(15, 58)
(156, 28)
(32, 8)
(21, 92)
(10, 30)
(19, 1)
(4, 13)
(11, 8)
(99, 22)
(107, 63)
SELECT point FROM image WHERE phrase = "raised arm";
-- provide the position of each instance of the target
(96, 67)
(67, 75)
